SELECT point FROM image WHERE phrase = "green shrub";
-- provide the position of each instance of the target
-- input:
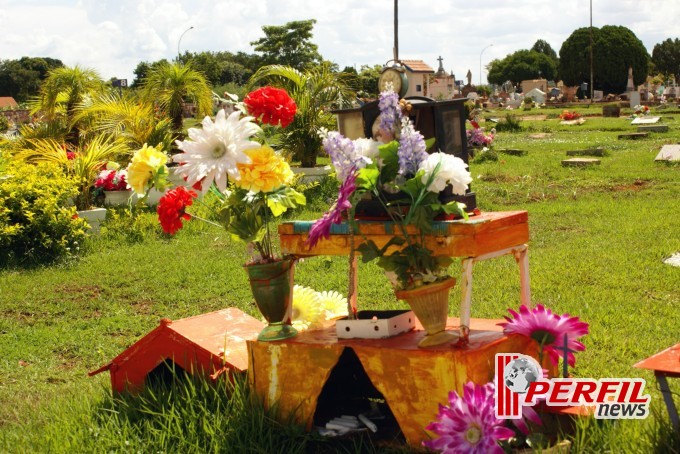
(36, 225)
(4, 123)
(510, 124)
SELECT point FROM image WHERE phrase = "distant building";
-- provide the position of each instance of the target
(528, 85)
(418, 74)
(8, 102)
(423, 81)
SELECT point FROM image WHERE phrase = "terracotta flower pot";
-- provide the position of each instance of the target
(430, 303)
(272, 287)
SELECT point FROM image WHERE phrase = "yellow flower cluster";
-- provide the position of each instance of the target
(145, 165)
(266, 172)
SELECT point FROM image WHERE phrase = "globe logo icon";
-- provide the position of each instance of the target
(519, 373)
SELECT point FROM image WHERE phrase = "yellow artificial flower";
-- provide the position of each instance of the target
(145, 165)
(266, 172)
(333, 304)
(307, 312)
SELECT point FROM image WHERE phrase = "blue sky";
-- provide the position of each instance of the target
(113, 36)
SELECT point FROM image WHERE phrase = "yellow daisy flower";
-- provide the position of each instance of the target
(266, 172)
(307, 312)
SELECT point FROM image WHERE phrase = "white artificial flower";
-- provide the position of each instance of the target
(367, 149)
(212, 153)
(452, 170)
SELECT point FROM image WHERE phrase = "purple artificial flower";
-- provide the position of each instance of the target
(469, 423)
(390, 112)
(412, 148)
(322, 226)
(548, 329)
(341, 151)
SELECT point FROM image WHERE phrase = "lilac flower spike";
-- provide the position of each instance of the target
(390, 112)
(412, 148)
(341, 151)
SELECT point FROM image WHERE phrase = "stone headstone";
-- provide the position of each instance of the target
(669, 153)
(634, 97)
(634, 135)
(611, 110)
(653, 128)
(599, 151)
(580, 162)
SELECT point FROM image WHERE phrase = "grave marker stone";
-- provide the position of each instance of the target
(669, 153)
(580, 162)
(645, 120)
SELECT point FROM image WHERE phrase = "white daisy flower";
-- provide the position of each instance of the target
(212, 153)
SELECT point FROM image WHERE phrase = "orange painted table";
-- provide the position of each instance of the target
(292, 374)
(484, 236)
(665, 364)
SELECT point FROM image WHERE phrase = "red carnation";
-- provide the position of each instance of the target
(172, 206)
(271, 106)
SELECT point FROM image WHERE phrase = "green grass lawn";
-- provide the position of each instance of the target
(598, 238)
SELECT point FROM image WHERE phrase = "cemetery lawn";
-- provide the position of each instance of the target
(599, 236)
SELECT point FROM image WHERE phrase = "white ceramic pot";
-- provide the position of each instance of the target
(94, 217)
(310, 174)
(117, 198)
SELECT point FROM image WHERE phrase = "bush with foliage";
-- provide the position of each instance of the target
(510, 124)
(36, 225)
(4, 123)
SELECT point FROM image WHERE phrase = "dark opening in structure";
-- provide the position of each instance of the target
(166, 373)
(349, 391)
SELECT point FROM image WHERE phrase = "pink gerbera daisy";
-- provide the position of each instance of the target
(548, 329)
(469, 423)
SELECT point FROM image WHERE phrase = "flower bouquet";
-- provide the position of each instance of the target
(112, 182)
(569, 116)
(397, 171)
(229, 159)
(476, 137)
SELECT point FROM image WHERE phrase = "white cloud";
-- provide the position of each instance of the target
(114, 36)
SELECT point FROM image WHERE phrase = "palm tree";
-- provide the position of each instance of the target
(315, 92)
(127, 117)
(62, 91)
(170, 85)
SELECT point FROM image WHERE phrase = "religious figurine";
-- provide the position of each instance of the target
(469, 77)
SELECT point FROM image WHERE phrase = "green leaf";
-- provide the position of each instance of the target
(390, 161)
(430, 142)
(369, 251)
(367, 178)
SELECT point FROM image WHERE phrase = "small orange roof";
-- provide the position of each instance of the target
(417, 66)
(7, 101)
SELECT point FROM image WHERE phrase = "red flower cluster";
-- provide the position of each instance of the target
(271, 106)
(567, 116)
(111, 180)
(70, 155)
(172, 206)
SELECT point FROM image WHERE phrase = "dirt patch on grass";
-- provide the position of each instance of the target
(540, 135)
(500, 178)
(637, 185)
(79, 292)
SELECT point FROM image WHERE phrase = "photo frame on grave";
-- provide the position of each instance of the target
(442, 120)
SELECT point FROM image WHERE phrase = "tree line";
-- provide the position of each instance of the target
(615, 49)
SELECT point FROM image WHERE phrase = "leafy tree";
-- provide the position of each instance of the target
(170, 85)
(21, 79)
(143, 69)
(367, 81)
(615, 49)
(62, 91)
(289, 45)
(522, 65)
(666, 57)
(544, 47)
(315, 91)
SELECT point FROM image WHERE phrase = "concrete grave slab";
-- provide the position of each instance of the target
(645, 120)
(669, 153)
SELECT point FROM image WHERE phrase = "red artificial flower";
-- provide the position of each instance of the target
(271, 106)
(70, 155)
(172, 206)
